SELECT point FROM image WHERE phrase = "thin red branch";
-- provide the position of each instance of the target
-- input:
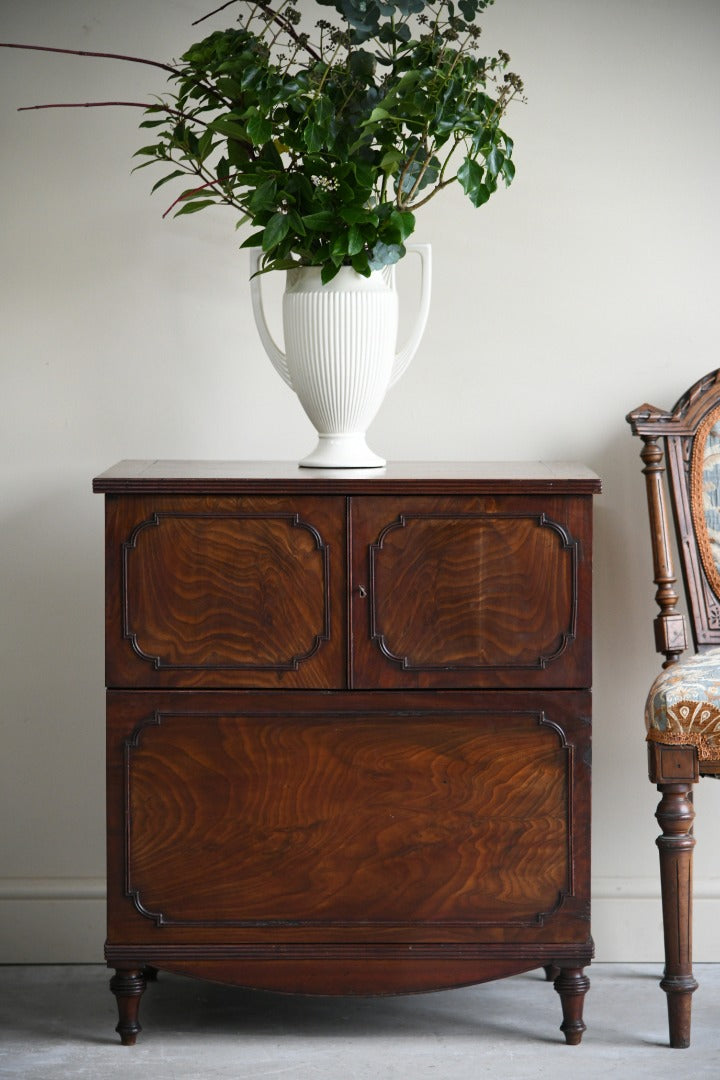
(102, 55)
(118, 56)
(92, 105)
(215, 12)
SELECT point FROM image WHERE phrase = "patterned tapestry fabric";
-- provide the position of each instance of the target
(683, 705)
(705, 496)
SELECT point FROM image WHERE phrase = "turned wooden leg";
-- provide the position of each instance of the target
(128, 987)
(675, 816)
(572, 986)
(551, 972)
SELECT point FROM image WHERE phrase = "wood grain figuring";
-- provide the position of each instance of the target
(206, 590)
(348, 726)
(225, 591)
(424, 820)
(474, 591)
(481, 592)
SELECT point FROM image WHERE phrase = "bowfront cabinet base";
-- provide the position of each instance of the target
(365, 977)
(348, 731)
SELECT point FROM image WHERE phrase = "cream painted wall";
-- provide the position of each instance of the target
(587, 288)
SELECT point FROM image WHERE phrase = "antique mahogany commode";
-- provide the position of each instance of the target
(348, 726)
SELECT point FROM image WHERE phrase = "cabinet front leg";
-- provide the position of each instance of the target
(128, 987)
(572, 986)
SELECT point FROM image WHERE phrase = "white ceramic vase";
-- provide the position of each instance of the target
(340, 351)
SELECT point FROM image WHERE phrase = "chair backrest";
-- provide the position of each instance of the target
(687, 439)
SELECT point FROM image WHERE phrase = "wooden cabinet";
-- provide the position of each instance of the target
(348, 727)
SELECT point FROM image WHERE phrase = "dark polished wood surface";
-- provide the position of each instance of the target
(348, 727)
(227, 477)
(278, 816)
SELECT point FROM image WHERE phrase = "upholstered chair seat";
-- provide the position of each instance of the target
(683, 706)
(681, 458)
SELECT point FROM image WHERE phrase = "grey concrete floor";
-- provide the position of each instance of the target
(59, 1021)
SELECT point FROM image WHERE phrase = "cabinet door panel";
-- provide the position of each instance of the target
(225, 592)
(470, 592)
(353, 816)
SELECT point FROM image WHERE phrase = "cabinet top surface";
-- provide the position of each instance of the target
(146, 477)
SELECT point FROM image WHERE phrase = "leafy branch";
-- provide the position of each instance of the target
(328, 146)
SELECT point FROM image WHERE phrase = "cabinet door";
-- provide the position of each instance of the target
(471, 592)
(297, 818)
(225, 592)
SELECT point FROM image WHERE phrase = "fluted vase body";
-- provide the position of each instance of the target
(340, 354)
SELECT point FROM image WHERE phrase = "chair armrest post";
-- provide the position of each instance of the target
(670, 633)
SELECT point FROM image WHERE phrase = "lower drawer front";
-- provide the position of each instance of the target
(241, 817)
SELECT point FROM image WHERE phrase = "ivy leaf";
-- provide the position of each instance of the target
(378, 113)
(313, 136)
(508, 171)
(404, 222)
(259, 129)
(494, 161)
(471, 176)
(391, 161)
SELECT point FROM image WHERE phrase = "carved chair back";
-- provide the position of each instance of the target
(687, 441)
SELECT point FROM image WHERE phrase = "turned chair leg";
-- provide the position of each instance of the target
(572, 985)
(675, 815)
(128, 987)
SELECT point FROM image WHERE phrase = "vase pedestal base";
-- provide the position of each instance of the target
(342, 452)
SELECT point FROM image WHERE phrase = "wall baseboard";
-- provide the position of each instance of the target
(62, 920)
(52, 920)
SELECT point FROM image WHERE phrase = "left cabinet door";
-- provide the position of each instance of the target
(225, 591)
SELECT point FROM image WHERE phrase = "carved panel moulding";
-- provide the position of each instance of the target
(158, 720)
(562, 635)
(132, 551)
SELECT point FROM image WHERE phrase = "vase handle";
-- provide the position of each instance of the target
(403, 358)
(278, 358)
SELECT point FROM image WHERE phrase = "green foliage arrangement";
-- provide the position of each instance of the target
(327, 143)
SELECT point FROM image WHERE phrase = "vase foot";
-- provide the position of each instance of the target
(342, 452)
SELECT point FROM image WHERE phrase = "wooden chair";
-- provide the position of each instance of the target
(683, 707)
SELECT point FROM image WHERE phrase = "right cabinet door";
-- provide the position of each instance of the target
(471, 592)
